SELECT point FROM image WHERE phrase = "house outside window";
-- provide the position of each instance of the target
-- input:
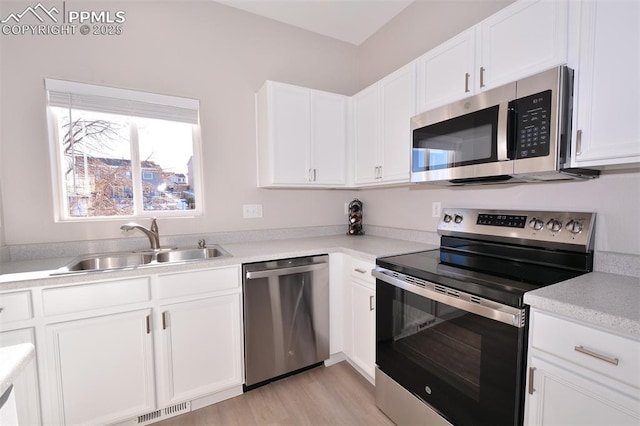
(122, 153)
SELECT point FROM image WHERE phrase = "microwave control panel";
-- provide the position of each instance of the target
(533, 125)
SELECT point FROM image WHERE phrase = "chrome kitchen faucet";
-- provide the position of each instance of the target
(152, 233)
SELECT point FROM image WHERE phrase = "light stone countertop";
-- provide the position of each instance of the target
(26, 274)
(606, 300)
(13, 359)
(603, 299)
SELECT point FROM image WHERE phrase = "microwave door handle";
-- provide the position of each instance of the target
(512, 130)
(504, 135)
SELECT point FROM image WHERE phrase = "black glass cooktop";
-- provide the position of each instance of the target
(498, 272)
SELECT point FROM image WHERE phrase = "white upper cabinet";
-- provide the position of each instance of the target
(301, 136)
(382, 129)
(447, 73)
(398, 96)
(522, 39)
(366, 134)
(607, 126)
(328, 138)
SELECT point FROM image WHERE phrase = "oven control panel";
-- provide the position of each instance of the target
(562, 230)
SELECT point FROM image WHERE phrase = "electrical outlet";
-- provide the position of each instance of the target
(346, 208)
(251, 211)
(436, 209)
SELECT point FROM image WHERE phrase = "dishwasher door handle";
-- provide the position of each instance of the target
(276, 272)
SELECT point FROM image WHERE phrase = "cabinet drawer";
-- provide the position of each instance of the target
(85, 297)
(15, 307)
(361, 269)
(592, 348)
(197, 282)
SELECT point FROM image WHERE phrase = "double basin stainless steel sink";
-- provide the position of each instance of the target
(128, 260)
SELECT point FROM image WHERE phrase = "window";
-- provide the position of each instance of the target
(121, 152)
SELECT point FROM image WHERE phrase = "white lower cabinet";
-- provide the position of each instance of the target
(100, 369)
(564, 396)
(26, 385)
(364, 327)
(360, 316)
(201, 344)
(579, 375)
(134, 348)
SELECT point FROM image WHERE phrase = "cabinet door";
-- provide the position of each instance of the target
(524, 38)
(328, 138)
(366, 116)
(26, 385)
(398, 96)
(563, 397)
(202, 343)
(448, 72)
(363, 334)
(289, 133)
(608, 84)
(100, 370)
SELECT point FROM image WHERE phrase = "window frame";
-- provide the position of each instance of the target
(60, 198)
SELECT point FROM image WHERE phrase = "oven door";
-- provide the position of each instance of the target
(467, 367)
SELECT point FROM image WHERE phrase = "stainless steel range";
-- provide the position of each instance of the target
(451, 325)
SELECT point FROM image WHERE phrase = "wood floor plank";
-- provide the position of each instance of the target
(336, 395)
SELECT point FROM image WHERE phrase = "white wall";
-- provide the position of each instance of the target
(614, 197)
(198, 49)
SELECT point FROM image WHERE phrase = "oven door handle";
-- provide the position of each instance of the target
(463, 301)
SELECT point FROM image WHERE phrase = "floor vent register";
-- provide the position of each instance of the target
(163, 413)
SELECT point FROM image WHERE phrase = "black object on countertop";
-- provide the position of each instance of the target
(355, 218)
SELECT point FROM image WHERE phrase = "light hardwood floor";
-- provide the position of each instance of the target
(335, 395)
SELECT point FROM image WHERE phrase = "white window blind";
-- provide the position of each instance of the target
(89, 97)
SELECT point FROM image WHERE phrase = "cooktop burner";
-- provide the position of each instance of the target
(500, 255)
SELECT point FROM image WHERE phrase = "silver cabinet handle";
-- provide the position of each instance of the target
(532, 371)
(579, 142)
(372, 304)
(314, 175)
(164, 320)
(361, 271)
(466, 82)
(148, 321)
(604, 358)
(481, 76)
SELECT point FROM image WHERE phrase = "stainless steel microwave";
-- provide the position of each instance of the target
(519, 132)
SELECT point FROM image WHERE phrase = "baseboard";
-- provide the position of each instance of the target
(363, 373)
(334, 359)
(216, 397)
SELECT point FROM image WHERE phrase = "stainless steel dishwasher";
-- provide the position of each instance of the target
(286, 316)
